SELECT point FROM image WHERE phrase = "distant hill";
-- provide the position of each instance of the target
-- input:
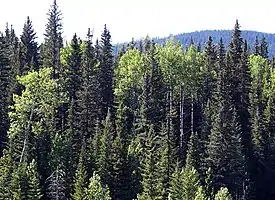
(202, 37)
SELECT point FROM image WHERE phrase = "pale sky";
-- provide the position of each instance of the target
(138, 18)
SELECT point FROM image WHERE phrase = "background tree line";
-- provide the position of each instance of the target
(150, 122)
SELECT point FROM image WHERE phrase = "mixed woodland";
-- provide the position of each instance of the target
(149, 122)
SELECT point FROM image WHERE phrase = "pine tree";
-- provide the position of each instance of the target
(89, 98)
(210, 71)
(57, 185)
(157, 101)
(257, 47)
(16, 186)
(223, 194)
(96, 144)
(96, 190)
(164, 165)
(193, 153)
(106, 74)
(80, 177)
(120, 174)
(150, 176)
(269, 117)
(200, 194)
(190, 182)
(34, 190)
(238, 80)
(73, 134)
(4, 84)
(74, 74)
(175, 190)
(103, 161)
(53, 40)
(29, 57)
(225, 148)
(6, 169)
(264, 48)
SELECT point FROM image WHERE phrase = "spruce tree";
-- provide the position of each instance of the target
(73, 133)
(175, 189)
(200, 194)
(4, 84)
(193, 153)
(29, 57)
(6, 169)
(165, 165)
(97, 190)
(88, 95)
(106, 74)
(238, 80)
(224, 150)
(223, 194)
(56, 188)
(34, 190)
(103, 161)
(150, 176)
(16, 186)
(120, 174)
(264, 48)
(190, 182)
(257, 47)
(157, 100)
(209, 81)
(53, 40)
(80, 178)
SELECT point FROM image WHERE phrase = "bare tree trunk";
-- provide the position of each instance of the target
(27, 131)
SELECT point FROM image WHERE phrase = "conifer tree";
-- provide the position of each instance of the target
(257, 47)
(200, 194)
(57, 185)
(239, 86)
(190, 182)
(264, 48)
(103, 161)
(165, 164)
(74, 135)
(80, 177)
(96, 190)
(150, 176)
(16, 186)
(223, 194)
(157, 99)
(6, 169)
(34, 190)
(96, 145)
(28, 49)
(175, 190)
(193, 153)
(225, 148)
(53, 40)
(209, 83)
(106, 73)
(4, 84)
(88, 95)
(120, 174)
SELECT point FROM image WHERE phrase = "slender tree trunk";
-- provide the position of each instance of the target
(27, 131)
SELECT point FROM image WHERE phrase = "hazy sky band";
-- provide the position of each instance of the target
(137, 18)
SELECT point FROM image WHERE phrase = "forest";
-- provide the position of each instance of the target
(149, 122)
(200, 39)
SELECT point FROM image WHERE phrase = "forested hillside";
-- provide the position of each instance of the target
(200, 38)
(152, 122)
